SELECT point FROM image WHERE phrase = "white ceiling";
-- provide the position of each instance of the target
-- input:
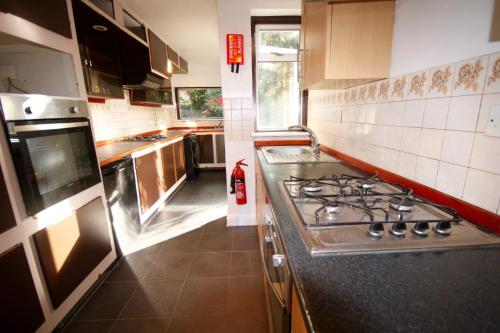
(189, 26)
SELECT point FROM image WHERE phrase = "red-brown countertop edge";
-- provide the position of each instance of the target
(122, 155)
(472, 213)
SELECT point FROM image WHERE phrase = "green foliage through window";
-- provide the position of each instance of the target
(199, 103)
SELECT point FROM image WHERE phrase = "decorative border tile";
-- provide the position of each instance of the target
(383, 91)
(493, 74)
(440, 81)
(371, 93)
(398, 88)
(470, 76)
(417, 85)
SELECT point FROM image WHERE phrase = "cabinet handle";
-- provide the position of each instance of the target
(90, 63)
(85, 62)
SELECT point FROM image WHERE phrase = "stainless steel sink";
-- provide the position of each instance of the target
(300, 154)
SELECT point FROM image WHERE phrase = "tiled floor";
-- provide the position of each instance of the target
(206, 280)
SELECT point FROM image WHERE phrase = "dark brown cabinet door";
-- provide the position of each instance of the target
(220, 148)
(69, 250)
(21, 310)
(180, 162)
(7, 220)
(168, 162)
(50, 14)
(158, 53)
(149, 180)
(206, 148)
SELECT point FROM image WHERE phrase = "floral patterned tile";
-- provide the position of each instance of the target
(371, 92)
(361, 99)
(398, 89)
(493, 74)
(353, 95)
(417, 85)
(382, 94)
(345, 97)
(440, 81)
(470, 76)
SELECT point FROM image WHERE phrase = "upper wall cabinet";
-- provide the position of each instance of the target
(346, 43)
(50, 14)
(158, 54)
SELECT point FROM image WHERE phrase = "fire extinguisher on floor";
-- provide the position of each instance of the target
(238, 183)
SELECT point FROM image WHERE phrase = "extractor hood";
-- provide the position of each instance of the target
(143, 80)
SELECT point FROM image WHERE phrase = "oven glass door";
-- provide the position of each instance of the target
(54, 160)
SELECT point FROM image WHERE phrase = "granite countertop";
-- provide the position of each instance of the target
(412, 292)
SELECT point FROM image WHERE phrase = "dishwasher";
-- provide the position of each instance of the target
(123, 204)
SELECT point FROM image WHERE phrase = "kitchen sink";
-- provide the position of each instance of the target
(301, 154)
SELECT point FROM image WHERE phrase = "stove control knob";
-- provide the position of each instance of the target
(74, 109)
(376, 229)
(268, 220)
(421, 229)
(28, 110)
(398, 229)
(443, 228)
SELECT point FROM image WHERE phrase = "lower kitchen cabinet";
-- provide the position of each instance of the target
(298, 323)
(8, 220)
(169, 167)
(211, 148)
(206, 148)
(180, 162)
(220, 148)
(21, 309)
(149, 180)
(70, 250)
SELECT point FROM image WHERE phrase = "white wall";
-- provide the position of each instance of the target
(430, 33)
(234, 17)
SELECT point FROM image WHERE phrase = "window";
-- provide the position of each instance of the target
(277, 76)
(199, 103)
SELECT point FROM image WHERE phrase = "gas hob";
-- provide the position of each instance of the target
(347, 214)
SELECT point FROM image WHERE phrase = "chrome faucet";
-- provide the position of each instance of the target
(314, 138)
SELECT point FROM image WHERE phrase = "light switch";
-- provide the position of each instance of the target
(493, 124)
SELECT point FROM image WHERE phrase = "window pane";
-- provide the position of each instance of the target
(278, 95)
(278, 42)
(199, 103)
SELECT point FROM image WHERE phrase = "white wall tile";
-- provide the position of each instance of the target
(451, 179)
(457, 147)
(436, 112)
(248, 125)
(411, 140)
(246, 103)
(414, 113)
(407, 165)
(391, 160)
(382, 113)
(235, 103)
(393, 138)
(487, 102)
(226, 103)
(247, 114)
(482, 189)
(486, 153)
(431, 141)
(235, 114)
(463, 113)
(426, 171)
(396, 113)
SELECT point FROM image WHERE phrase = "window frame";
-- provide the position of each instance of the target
(275, 22)
(178, 105)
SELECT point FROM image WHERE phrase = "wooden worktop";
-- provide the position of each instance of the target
(113, 150)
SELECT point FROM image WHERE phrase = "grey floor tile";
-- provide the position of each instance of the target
(170, 266)
(245, 295)
(210, 264)
(108, 301)
(153, 298)
(100, 326)
(243, 229)
(248, 323)
(245, 241)
(202, 297)
(132, 267)
(218, 227)
(246, 264)
(196, 325)
(140, 326)
(216, 242)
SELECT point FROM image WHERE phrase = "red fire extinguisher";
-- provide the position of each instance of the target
(238, 183)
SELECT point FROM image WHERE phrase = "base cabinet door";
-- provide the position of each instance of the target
(21, 310)
(8, 220)
(70, 250)
(149, 180)
(169, 167)
(180, 162)
(206, 148)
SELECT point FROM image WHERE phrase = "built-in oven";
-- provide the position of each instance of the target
(277, 275)
(52, 148)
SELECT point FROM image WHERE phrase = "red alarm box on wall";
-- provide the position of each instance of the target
(234, 50)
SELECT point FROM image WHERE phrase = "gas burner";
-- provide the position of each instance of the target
(403, 205)
(331, 207)
(366, 184)
(312, 187)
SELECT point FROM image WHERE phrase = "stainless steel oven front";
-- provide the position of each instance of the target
(52, 148)
(278, 276)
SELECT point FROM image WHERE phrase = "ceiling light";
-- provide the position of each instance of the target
(99, 27)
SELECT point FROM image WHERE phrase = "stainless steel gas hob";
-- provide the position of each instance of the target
(347, 214)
